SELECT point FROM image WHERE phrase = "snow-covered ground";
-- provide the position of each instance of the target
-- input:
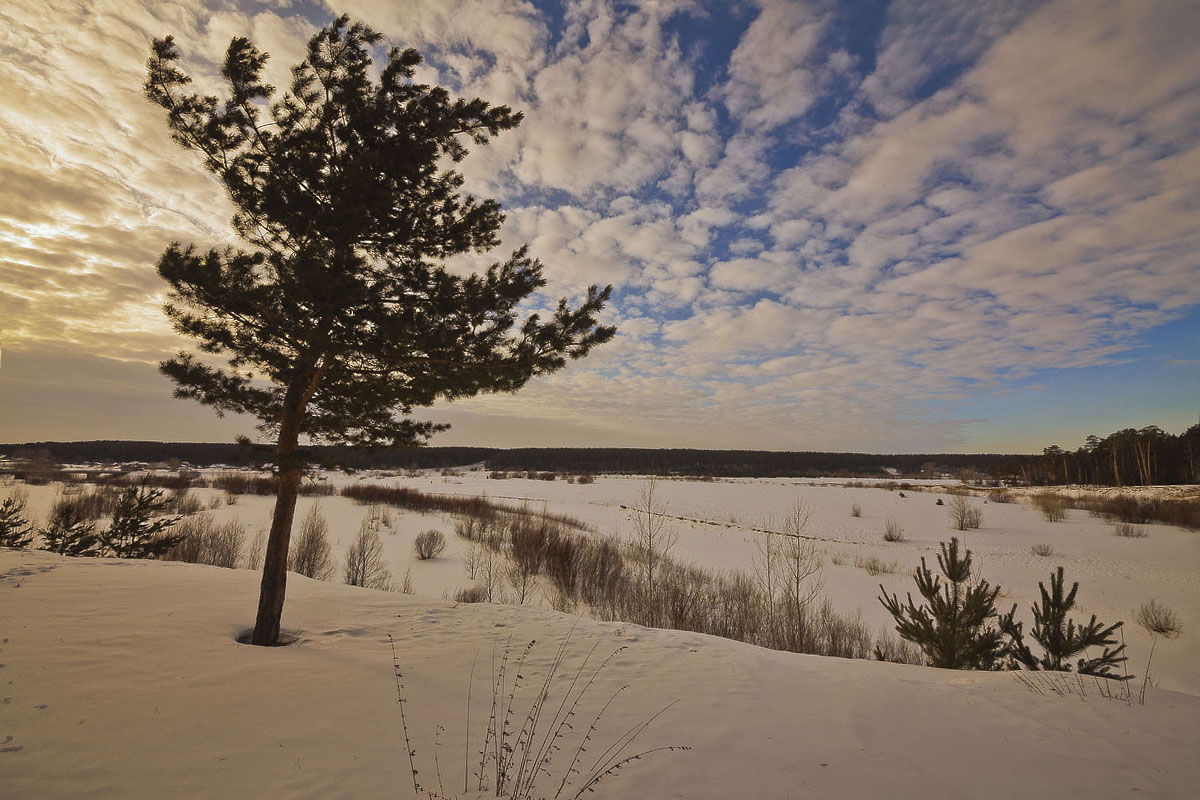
(718, 523)
(123, 679)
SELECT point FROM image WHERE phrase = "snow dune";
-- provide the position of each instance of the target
(123, 679)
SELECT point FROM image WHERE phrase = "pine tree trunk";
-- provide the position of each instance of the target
(274, 579)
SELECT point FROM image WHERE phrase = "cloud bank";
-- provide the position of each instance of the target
(826, 232)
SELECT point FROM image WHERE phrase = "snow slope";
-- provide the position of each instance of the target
(123, 679)
(717, 522)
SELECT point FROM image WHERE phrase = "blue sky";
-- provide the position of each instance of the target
(874, 226)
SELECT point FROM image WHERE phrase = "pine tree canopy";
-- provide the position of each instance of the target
(342, 316)
(342, 306)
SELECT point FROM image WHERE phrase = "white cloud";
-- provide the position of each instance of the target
(1012, 187)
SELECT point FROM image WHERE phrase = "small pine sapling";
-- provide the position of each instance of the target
(951, 627)
(1060, 638)
(139, 529)
(69, 532)
(15, 529)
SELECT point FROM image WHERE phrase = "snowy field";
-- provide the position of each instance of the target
(123, 679)
(719, 526)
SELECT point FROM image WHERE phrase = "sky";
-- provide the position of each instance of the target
(902, 226)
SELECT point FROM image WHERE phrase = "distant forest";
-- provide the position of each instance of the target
(1129, 457)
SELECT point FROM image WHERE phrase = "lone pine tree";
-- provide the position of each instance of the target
(341, 317)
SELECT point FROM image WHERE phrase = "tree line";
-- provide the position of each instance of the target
(1129, 457)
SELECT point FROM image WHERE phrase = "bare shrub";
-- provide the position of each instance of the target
(1129, 531)
(1043, 550)
(471, 558)
(527, 543)
(406, 586)
(1159, 620)
(311, 555)
(521, 581)
(254, 556)
(889, 647)
(892, 532)
(214, 503)
(482, 530)
(462, 506)
(561, 561)
(364, 561)
(1184, 512)
(1053, 506)
(471, 594)
(429, 544)
(875, 565)
(205, 542)
(963, 514)
(88, 506)
(1000, 496)
(842, 635)
(490, 571)
(602, 573)
(185, 504)
(317, 489)
(855, 510)
(235, 482)
(653, 540)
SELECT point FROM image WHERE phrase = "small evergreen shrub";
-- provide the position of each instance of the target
(69, 531)
(15, 529)
(1060, 638)
(952, 627)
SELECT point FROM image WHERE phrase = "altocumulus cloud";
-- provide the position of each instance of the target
(826, 226)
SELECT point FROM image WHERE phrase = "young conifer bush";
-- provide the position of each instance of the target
(15, 528)
(1060, 639)
(953, 624)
